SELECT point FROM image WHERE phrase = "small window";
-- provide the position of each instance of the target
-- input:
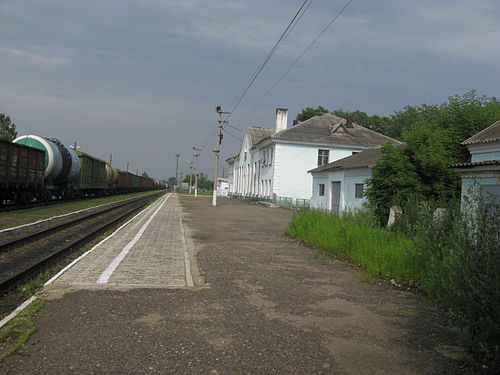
(321, 190)
(355, 152)
(323, 157)
(358, 190)
(271, 157)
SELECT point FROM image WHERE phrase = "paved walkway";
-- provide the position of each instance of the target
(149, 251)
(265, 305)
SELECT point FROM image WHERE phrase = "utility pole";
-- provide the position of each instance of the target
(110, 159)
(196, 170)
(177, 171)
(220, 123)
(190, 169)
(127, 166)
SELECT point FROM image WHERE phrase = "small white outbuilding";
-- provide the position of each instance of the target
(340, 186)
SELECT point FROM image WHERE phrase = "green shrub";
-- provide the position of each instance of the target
(467, 282)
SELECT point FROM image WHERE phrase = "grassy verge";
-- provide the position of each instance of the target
(30, 215)
(17, 332)
(354, 237)
(452, 255)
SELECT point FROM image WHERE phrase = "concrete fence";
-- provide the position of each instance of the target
(283, 202)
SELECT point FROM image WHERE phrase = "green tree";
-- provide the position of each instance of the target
(203, 182)
(433, 134)
(394, 176)
(309, 112)
(145, 174)
(172, 181)
(374, 122)
(431, 149)
(7, 128)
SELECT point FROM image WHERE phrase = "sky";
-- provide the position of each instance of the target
(140, 79)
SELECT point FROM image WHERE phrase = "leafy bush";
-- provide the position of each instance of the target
(466, 281)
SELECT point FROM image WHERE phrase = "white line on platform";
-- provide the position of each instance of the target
(57, 275)
(187, 262)
(14, 313)
(103, 279)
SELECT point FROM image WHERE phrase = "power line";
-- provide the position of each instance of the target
(209, 140)
(235, 128)
(232, 135)
(298, 58)
(17, 121)
(241, 94)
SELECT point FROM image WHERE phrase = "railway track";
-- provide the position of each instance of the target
(31, 252)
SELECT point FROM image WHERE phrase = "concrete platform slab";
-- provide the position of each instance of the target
(149, 251)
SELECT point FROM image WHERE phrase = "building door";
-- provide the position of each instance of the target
(336, 196)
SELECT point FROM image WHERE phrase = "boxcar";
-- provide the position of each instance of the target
(136, 182)
(148, 184)
(124, 182)
(21, 172)
(92, 178)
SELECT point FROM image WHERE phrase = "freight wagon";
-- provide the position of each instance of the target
(22, 171)
(34, 167)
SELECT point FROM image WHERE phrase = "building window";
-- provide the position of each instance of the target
(321, 190)
(355, 152)
(358, 190)
(323, 157)
(271, 157)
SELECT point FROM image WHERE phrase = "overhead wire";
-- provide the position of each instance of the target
(232, 135)
(235, 128)
(298, 15)
(298, 58)
(209, 140)
(16, 121)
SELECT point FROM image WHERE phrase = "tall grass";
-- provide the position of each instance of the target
(453, 256)
(357, 238)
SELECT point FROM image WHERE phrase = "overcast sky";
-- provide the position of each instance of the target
(140, 79)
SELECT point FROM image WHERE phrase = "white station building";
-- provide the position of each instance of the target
(274, 162)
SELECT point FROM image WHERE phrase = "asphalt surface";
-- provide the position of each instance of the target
(262, 304)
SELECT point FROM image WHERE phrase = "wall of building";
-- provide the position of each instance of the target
(351, 178)
(483, 152)
(292, 162)
(348, 180)
(317, 201)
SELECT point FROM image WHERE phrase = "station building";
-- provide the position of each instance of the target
(274, 162)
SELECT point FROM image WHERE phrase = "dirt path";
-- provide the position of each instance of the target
(270, 307)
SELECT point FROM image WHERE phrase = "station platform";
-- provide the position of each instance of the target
(147, 251)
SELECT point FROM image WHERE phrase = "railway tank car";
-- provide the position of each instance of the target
(62, 165)
(60, 172)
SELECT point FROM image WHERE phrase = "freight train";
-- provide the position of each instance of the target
(34, 168)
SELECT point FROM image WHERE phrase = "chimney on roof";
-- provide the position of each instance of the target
(281, 119)
(348, 123)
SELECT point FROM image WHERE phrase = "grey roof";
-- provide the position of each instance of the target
(232, 158)
(258, 133)
(365, 159)
(330, 129)
(490, 134)
(475, 164)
